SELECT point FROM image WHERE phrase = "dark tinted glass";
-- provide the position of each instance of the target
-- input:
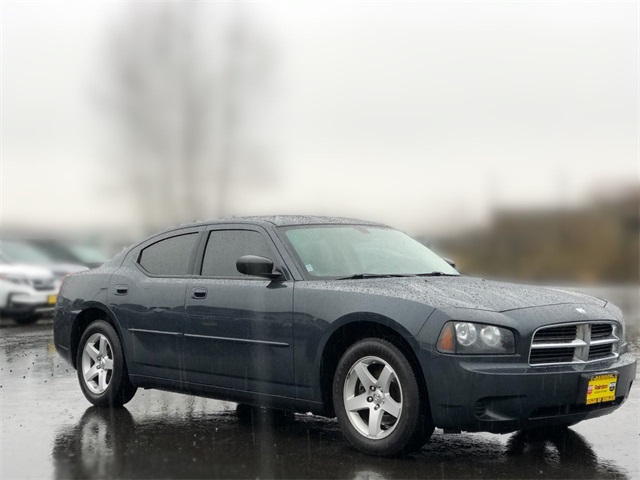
(224, 247)
(170, 256)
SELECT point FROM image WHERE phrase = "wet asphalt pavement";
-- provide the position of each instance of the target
(50, 430)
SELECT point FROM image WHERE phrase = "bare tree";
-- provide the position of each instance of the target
(183, 82)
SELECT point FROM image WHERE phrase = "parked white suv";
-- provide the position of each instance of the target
(26, 292)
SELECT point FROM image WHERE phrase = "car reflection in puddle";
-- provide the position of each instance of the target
(256, 443)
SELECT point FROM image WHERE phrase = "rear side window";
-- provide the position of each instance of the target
(224, 247)
(170, 256)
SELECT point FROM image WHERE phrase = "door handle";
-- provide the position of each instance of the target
(199, 292)
(122, 289)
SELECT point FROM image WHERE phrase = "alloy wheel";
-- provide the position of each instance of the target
(97, 363)
(372, 397)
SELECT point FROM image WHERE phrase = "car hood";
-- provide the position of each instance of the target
(469, 292)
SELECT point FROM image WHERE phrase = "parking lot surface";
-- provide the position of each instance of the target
(49, 430)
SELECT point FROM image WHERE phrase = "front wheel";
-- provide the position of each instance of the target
(102, 371)
(377, 401)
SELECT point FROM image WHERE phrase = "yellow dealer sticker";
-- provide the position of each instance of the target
(602, 388)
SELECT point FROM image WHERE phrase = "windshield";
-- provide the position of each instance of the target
(19, 252)
(345, 250)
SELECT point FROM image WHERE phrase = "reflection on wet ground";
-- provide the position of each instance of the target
(108, 443)
(49, 430)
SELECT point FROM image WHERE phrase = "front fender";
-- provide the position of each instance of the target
(369, 317)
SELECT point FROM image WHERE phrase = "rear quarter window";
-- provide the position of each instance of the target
(169, 257)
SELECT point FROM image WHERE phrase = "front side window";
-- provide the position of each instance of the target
(224, 247)
(169, 257)
(341, 251)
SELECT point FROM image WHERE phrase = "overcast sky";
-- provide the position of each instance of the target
(421, 115)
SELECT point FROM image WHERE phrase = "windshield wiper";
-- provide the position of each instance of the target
(437, 274)
(359, 276)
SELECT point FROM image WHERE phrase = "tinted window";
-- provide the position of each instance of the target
(224, 247)
(170, 256)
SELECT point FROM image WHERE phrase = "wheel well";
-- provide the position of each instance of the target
(83, 320)
(349, 334)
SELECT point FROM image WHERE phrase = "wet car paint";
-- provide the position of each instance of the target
(168, 342)
(48, 431)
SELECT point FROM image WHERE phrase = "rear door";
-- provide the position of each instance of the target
(147, 296)
(239, 332)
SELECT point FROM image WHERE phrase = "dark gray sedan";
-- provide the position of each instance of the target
(341, 318)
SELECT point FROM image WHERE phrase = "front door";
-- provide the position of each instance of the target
(238, 331)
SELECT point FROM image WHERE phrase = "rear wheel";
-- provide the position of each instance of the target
(377, 399)
(102, 371)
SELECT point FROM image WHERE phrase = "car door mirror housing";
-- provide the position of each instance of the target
(257, 267)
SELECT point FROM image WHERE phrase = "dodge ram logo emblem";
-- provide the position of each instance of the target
(581, 310)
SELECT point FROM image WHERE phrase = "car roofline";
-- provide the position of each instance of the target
(271, 221)
(276, 221)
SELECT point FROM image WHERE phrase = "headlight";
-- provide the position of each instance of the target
(475, 338)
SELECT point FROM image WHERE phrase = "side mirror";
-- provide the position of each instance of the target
(257, 266)
(450, 262)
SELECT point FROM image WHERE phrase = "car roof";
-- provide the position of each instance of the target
(278, 221)
(271, 220)
(292, 220)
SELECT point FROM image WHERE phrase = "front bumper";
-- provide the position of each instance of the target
(504, 397)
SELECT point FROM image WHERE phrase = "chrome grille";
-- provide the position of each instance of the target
(564, 334)
(574, 343)
(545, 356)
(600, 351)
(601, 330)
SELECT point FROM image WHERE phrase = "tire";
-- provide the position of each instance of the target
(377, 400)
(26, 319)
(102, 371)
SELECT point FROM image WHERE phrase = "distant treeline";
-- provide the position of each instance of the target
(600, 242)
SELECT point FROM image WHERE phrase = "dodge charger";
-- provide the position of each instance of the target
(342, 318)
